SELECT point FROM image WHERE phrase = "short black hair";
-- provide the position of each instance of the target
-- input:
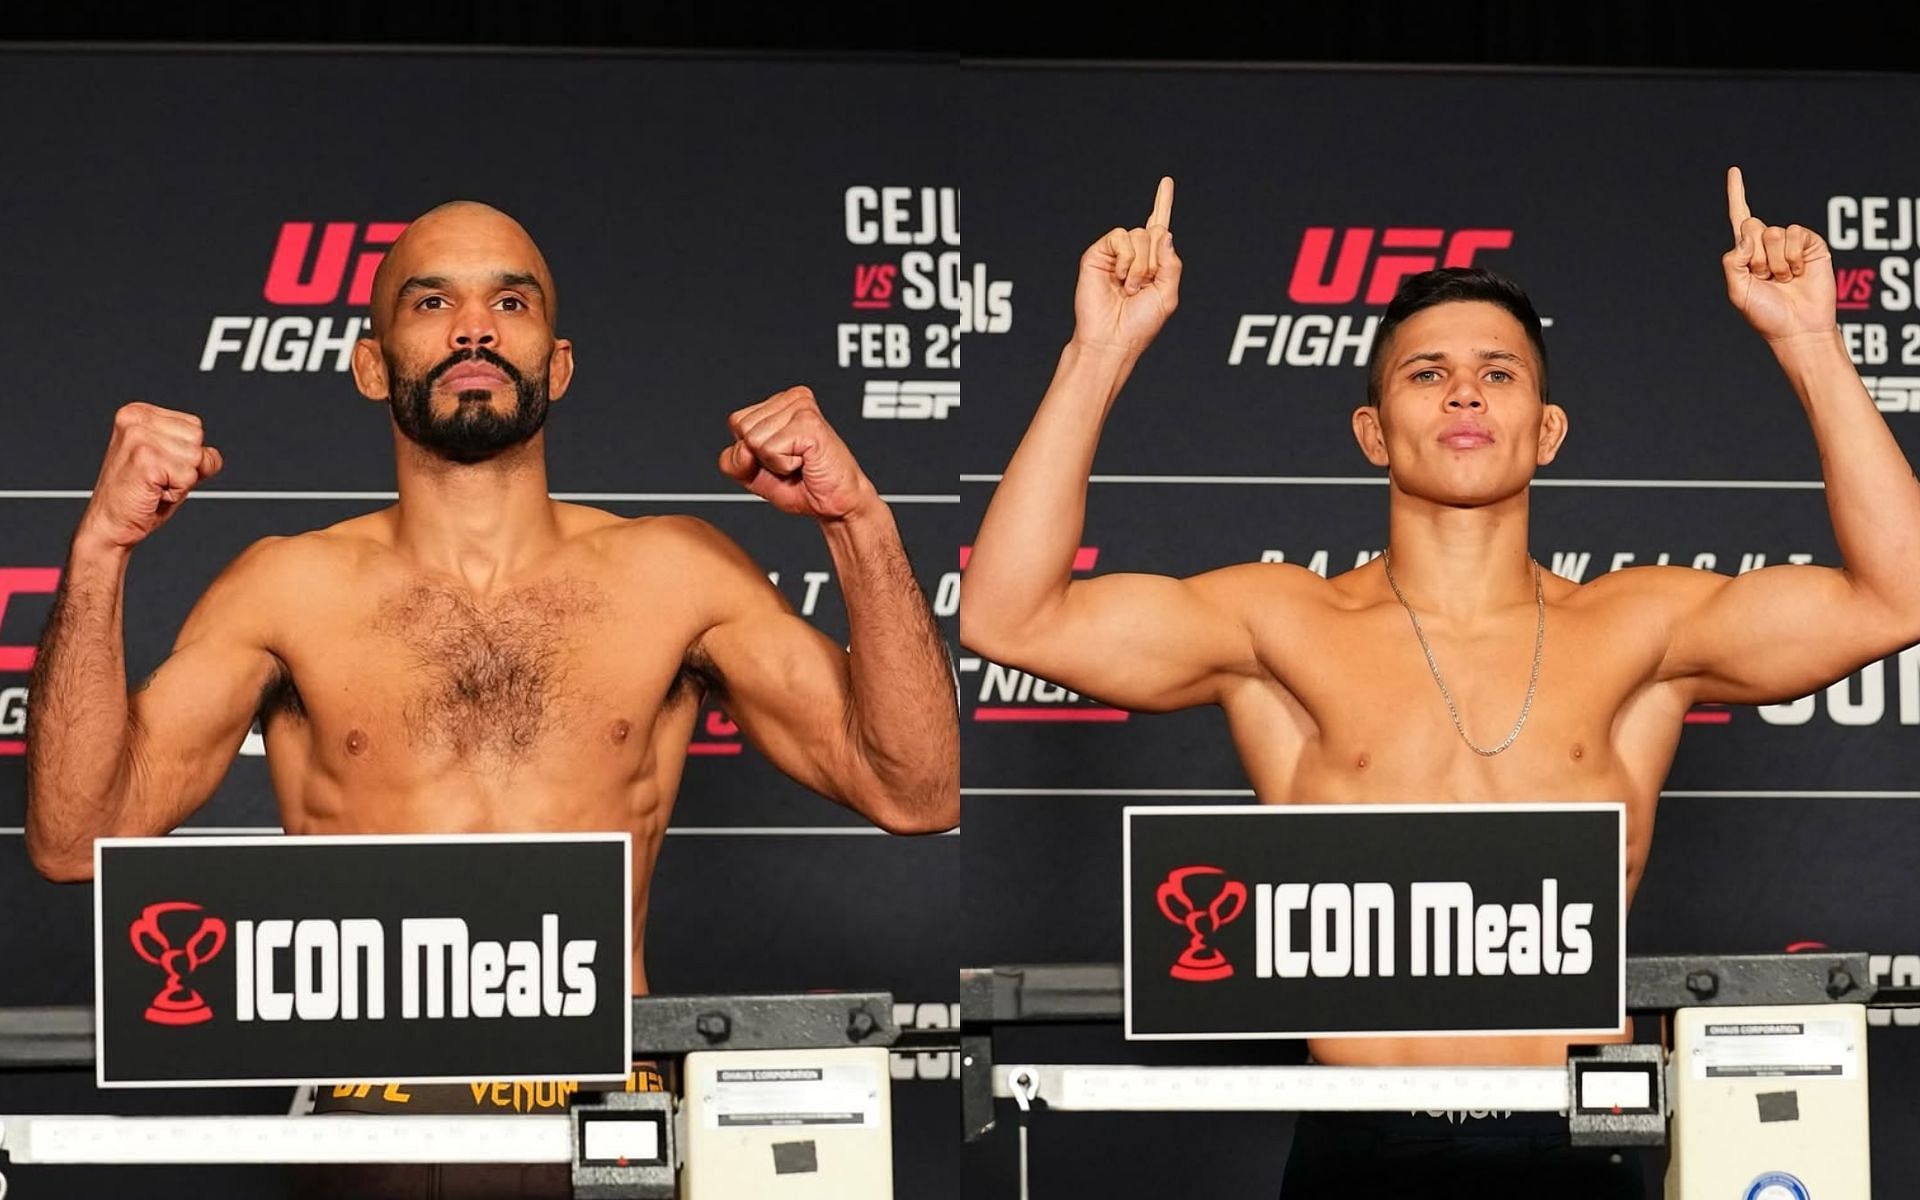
(1446, 285)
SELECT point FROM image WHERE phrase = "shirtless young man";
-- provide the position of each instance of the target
(1325, 686)
(478, 657)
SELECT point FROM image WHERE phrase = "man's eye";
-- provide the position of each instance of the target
(1500, 376)
(1425, 375)
(431, 302)
(513, 303)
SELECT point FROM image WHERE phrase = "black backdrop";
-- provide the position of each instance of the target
(695, 213)
(1783, 826)
(1603, 194)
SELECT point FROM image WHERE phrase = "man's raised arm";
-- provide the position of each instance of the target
(99, 762)
(1784, 631)
(876, 725)
(1138, 641)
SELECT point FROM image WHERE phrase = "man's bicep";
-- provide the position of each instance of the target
(1145, 642)
(788, 686)
(190, 714)
(781, 680)
(1774, 634)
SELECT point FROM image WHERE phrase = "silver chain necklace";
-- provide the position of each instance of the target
(1533, 680)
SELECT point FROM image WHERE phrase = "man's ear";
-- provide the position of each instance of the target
(1371, 434)
(370, 370)
(559, 368)
(1553, 431)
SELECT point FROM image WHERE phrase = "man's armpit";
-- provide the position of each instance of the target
(697, 679)
(280, 697)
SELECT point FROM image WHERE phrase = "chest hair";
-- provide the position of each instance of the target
(486, 680)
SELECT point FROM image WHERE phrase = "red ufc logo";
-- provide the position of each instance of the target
(29, 581)
(1315, 283)
(873, 284)
(301, 274)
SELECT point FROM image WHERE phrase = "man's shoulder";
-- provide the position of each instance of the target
(667, 541)
(1631, 590)
(308, 558)
(1268, 587)
(1263, 578)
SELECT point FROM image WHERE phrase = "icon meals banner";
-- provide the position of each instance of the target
(269, 960)
(1295, 921)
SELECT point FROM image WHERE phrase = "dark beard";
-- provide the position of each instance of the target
(473, 432)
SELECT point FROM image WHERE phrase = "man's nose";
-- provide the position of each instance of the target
(1465, 395)
(474, 327)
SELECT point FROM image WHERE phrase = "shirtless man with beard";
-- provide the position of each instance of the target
(478, 657)
(1404, 677)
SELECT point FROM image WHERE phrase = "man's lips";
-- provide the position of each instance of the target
(462, 379)
(1466, 437)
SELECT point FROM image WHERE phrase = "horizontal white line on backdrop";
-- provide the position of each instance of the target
(1813, 485)
(666, 497)
(689, 830)
(1675, 795)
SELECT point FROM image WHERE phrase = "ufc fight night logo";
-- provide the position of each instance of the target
(1399, 252)
(310, 271)
(1341, 267)
(313, 265)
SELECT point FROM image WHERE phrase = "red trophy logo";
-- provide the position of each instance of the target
(1199, 961)
(176, 1003)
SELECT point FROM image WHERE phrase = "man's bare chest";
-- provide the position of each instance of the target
(521, 674)
(1375, 669)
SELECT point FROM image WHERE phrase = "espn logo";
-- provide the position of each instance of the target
(1894, 393)
(1315, 282)
(910, 400)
